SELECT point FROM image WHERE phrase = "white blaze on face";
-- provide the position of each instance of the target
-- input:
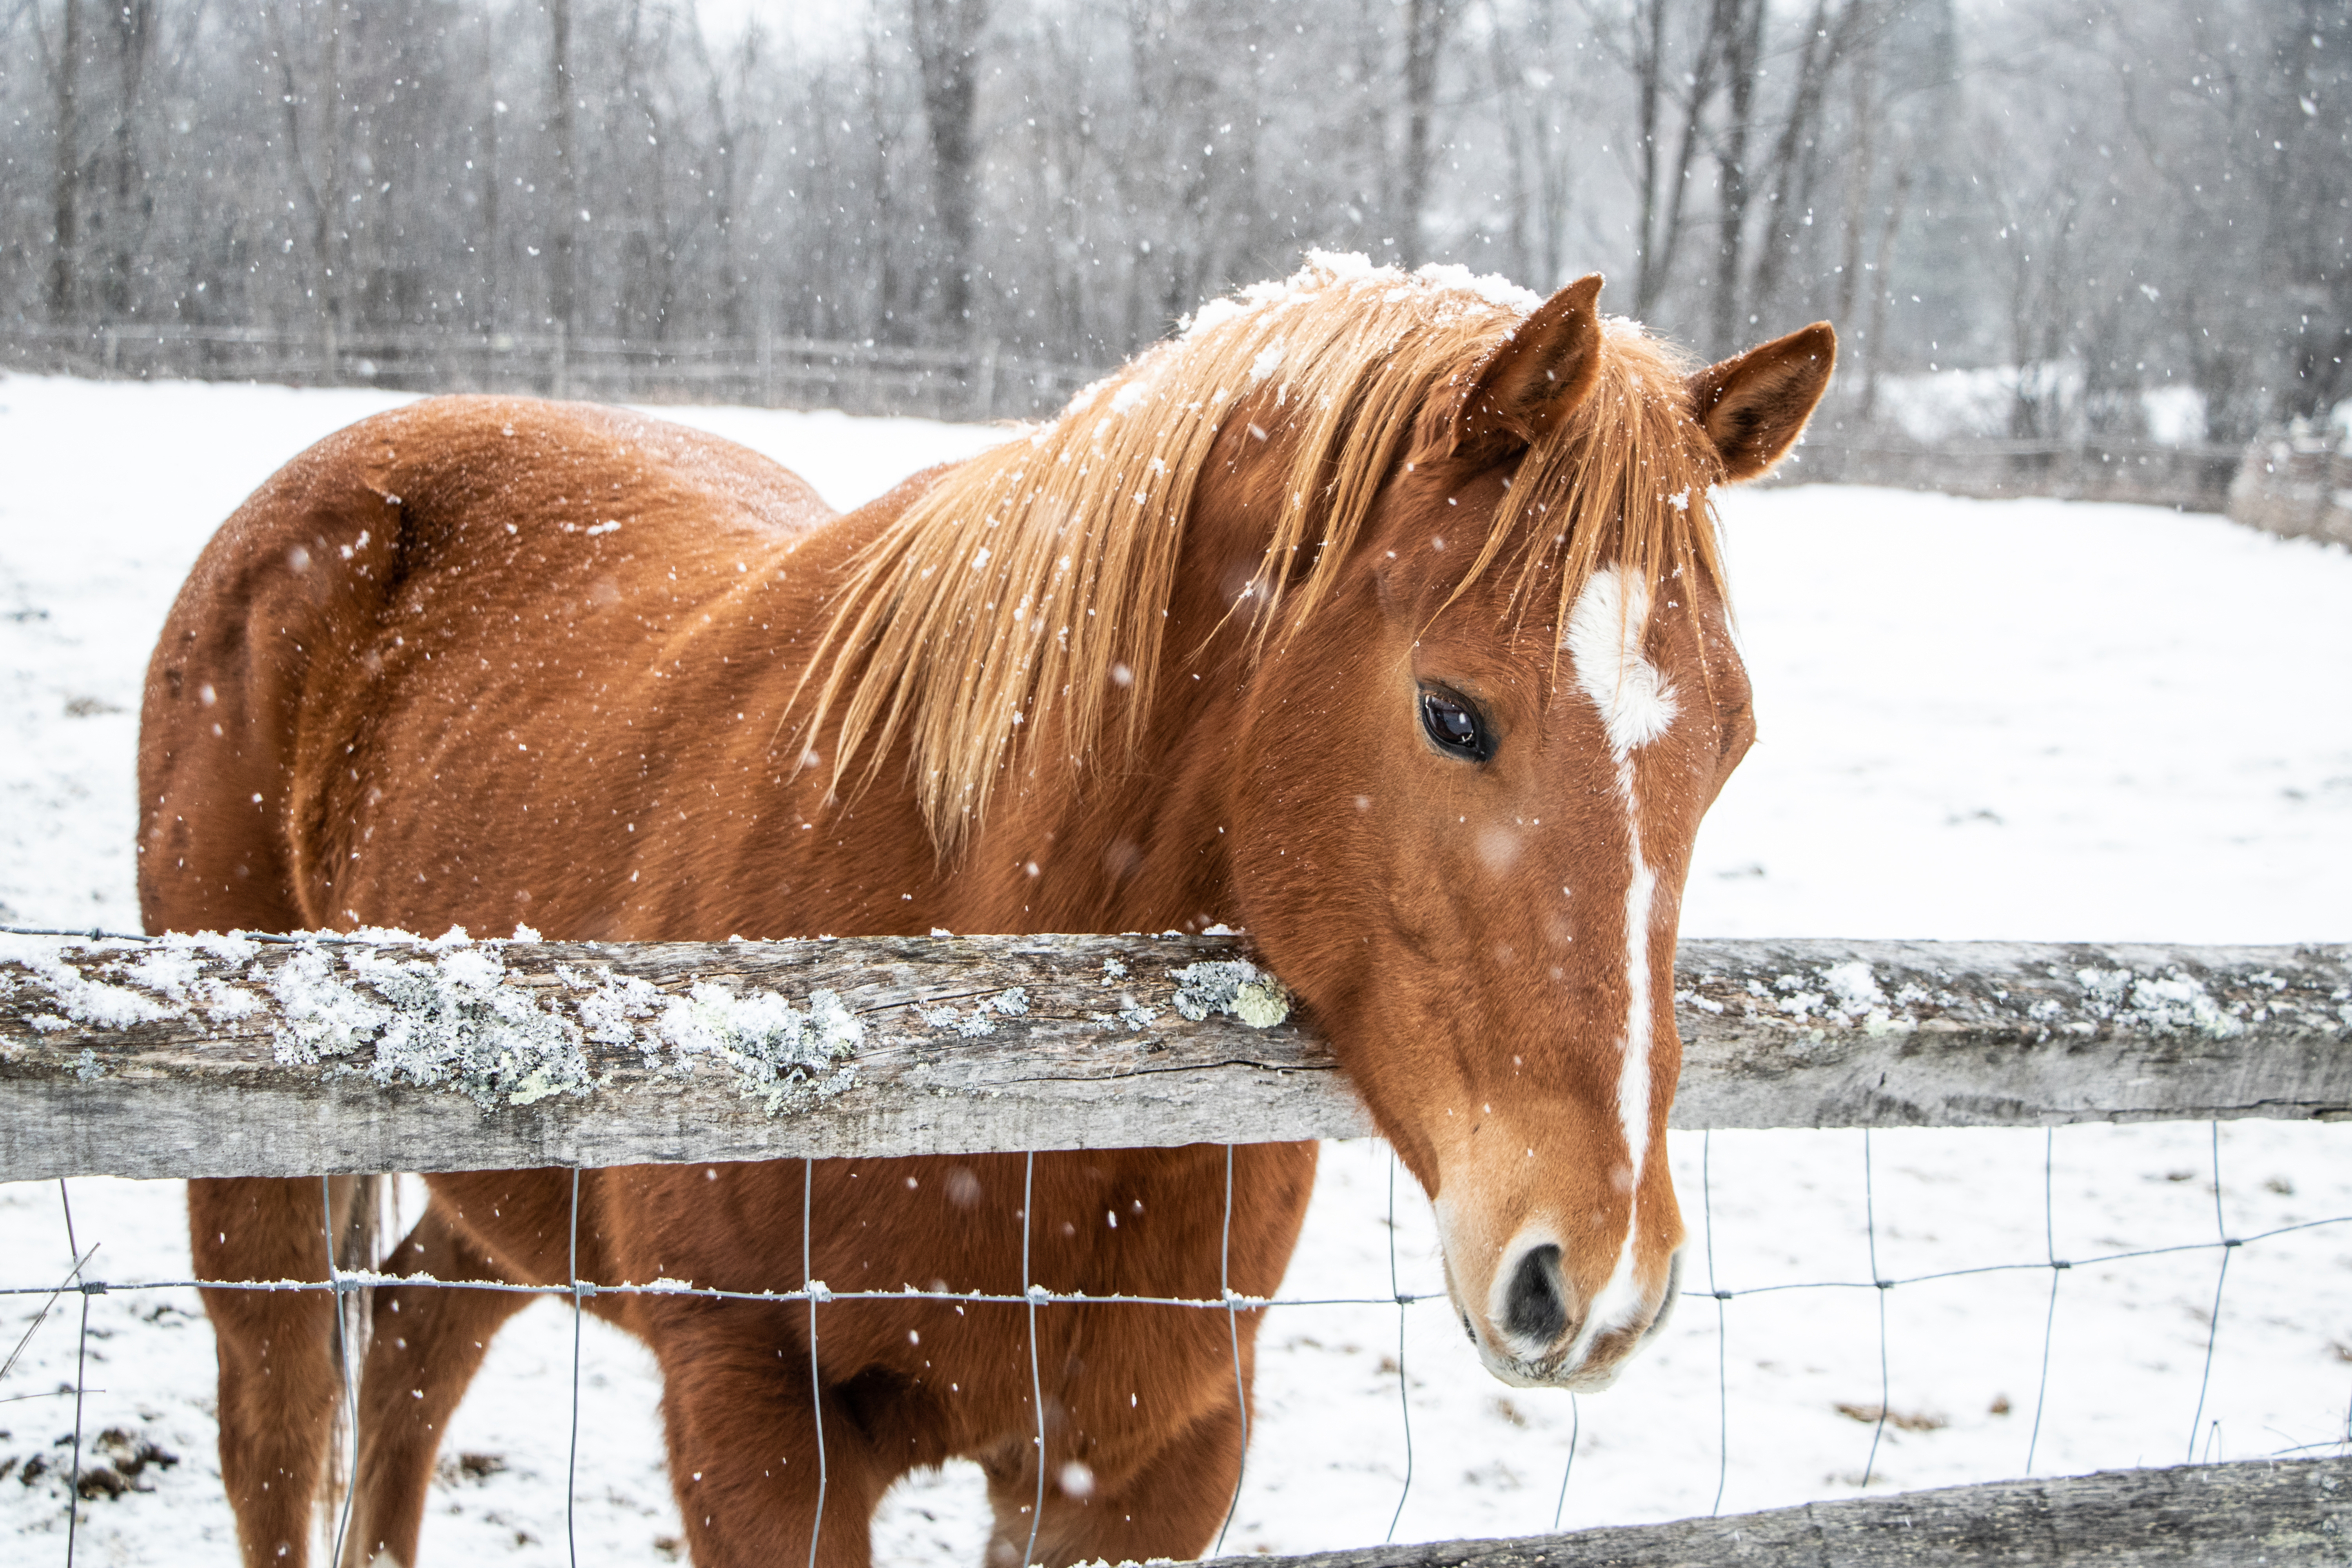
(1637, 705)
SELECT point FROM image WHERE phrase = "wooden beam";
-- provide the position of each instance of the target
(2007, 1034)
(223, 1057)
(2188, 1516)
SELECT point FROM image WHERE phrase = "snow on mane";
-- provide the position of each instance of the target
(1028, 584)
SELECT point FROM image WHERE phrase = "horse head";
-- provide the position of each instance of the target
(1475, 765)
(1402, 595)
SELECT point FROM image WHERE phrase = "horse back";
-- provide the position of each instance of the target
(340, 719)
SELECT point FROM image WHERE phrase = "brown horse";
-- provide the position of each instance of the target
(1378, 614)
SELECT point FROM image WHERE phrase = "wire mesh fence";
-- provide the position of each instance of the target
(1759, 1243)
(2196, 1440)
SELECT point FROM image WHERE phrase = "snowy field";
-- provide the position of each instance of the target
(2021, 719)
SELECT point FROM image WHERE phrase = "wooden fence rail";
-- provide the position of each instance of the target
(2282, 1515)
(2193, 479)
(229, 1057)
(987, 381)
(2297, 482)
(980, 382)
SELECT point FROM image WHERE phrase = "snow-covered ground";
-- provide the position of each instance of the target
(2015, 719)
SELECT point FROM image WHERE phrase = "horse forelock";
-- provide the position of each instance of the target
(1628, 481)
(1028, 588)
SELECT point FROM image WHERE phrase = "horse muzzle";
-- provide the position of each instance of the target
(1537, 1332)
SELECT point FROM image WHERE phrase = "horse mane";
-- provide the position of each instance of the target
(1034, 579)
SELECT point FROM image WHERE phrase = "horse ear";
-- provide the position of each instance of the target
(1540, 371)
(1754, 405)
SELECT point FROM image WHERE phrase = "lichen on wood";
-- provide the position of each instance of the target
(211, 1055)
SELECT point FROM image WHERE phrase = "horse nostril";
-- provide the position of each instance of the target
(1533, 1309)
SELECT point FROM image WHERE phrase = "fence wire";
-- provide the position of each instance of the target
(571, 1453)
(1233, 1326)
(1870, 1230)
(345, 1286)
(2057, 1272)
(1405, 1384)
(346, 1374)
(81, 1383)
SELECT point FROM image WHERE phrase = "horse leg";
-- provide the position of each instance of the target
(278, 1365)
(744, 1460)
(1171, 1505)
(427, 1344)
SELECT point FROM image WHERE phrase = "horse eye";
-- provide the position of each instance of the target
(1452, 724)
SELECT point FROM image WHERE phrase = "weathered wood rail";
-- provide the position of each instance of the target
(2285, 1515)
(222, 1056)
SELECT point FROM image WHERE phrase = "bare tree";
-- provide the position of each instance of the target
(1867, 229)
(1537, 109)
(1426, 25)
(736, 145)
(896, 257)
(131, 37)
(650, 238)
(1672, 90)
(64, 73)
(562, 301)
(2107, 197)
(1742, 46)
(307, 37)
(946, 35)
(1793, 166)
(490, 273)
(1191, 150)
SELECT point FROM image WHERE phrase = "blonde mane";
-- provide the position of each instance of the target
(1030, 581)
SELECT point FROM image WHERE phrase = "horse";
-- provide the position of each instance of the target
(1379, 614)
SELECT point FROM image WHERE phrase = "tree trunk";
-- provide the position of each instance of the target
(66, 169)
(895, 294)
(1426, 25)
(1379, 198)
(1882, 290)
(947, 48)
(323, 187)
(562, 303)
(1510, 86)
(1794, 161)
(1744, 46)
(729, 146)
(1666, 180)
(134, 37)
(1868, 104)
(489, 272)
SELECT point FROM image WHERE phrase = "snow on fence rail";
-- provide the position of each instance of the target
(212, 1055)
(217, 1056)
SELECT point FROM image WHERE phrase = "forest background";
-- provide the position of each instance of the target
(2099, 200)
